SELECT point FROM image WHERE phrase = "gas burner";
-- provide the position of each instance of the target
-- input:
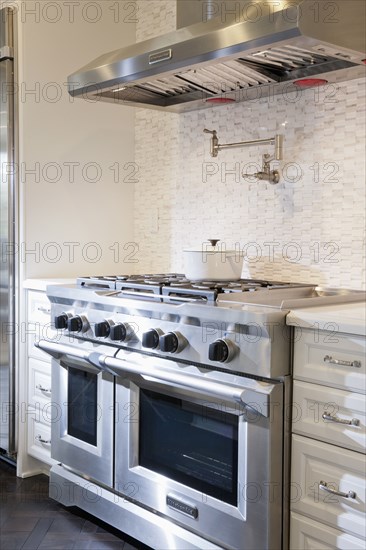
(203, 285)
(242, 286)
(178, 279)
(155, 281)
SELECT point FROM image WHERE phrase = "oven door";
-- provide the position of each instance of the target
(203, 448)
(82, 411)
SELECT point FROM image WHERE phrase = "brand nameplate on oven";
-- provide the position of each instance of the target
(182, 506)
(164, 55)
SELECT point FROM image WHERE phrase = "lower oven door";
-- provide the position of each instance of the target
(203, 448)
(82, 411)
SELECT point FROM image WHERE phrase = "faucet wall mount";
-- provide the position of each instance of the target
(266, 174)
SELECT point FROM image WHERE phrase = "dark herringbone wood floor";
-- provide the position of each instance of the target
(29, 520)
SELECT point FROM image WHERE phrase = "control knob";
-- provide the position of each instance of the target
(221, 351)
(172, 342)
(121, 332)
(77, 324)
(150, 339)
(61, 321)
(102, 330)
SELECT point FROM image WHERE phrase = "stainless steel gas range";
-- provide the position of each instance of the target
(171, 407)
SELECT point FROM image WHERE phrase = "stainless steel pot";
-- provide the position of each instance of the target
(212, 262)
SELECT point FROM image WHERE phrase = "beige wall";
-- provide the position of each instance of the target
(76, 158)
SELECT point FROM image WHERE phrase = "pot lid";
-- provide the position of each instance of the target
(211, 246)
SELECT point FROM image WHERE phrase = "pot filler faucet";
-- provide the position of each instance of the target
(266, 174)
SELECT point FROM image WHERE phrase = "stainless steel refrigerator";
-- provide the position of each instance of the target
(8, 231)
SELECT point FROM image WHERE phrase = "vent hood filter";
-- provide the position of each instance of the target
(248, 59)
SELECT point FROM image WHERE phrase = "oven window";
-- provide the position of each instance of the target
(192, 444)
(82, 405)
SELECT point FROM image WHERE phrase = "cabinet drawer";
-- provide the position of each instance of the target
(38, 307)
(35, 332)
(321, 412)
(38, 324)
(331, 359)
(316, 464)
(312, 535)
(39, 384)
(39, 441)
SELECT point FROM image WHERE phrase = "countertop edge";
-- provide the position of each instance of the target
(347, 318)
(41, 284)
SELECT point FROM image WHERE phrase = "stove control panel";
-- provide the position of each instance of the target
(222, 351)
(169, 335)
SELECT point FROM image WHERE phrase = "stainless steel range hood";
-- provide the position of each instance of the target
(266, 50)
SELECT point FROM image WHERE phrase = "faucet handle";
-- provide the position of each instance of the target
(214, 142)
(213, 242)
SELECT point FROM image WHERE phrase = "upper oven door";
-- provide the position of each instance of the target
(82, 411)
(201, 447)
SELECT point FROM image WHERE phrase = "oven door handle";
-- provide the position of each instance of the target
(256, 401)
(59, 350)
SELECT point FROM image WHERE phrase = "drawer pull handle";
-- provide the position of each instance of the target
(353, 422)
(44, 310)
(41, 388)
(43, 441)
(324, 487)
(329, 359)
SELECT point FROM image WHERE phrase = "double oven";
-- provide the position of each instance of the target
(178, 448)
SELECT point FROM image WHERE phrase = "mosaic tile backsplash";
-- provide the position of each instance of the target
(308, 228)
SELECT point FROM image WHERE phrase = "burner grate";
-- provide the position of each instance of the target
(104, 281)
(175, 286)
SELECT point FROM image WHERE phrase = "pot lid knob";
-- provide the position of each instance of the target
(213, 242)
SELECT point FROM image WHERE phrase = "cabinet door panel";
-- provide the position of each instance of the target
(307, 534)
(316, 464)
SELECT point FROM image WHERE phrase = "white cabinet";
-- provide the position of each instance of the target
(38, 372)
(328, 481)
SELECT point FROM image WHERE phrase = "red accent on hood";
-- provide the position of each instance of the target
(310, 82)
(220, 100)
